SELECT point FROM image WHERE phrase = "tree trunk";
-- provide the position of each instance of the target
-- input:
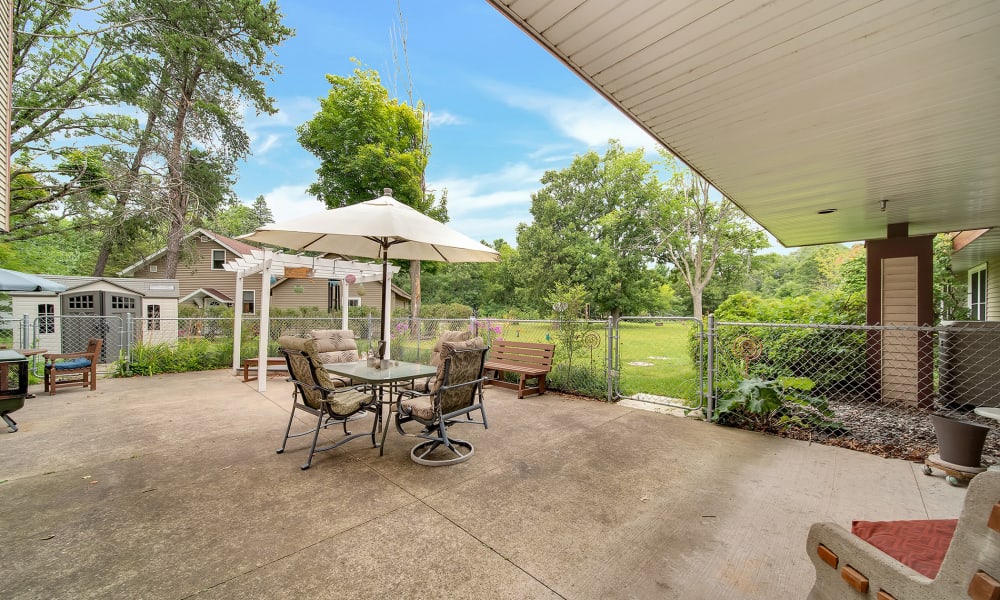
(696, 301)
(414, 290)
(176, 194)
(121, 203)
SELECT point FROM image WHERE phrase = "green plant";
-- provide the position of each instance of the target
(774, 405)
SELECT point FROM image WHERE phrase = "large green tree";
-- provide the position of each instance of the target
(205, 62)
(694, 232)
(63, 136)
(367, 141)
(590, 229)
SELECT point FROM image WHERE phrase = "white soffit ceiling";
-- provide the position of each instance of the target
(792, 107)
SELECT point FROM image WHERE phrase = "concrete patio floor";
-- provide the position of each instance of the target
(169, 487)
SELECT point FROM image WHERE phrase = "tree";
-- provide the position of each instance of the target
(589, 229)
(262, 212)
(367, 141)
(61, 136)
(237, 219)
(203, 58)
(694, 233)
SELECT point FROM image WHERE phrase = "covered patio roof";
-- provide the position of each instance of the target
(882, 111)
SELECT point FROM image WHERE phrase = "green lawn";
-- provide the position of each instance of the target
(670, 371)
(655, 359)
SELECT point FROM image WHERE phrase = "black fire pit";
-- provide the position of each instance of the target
(13, 385)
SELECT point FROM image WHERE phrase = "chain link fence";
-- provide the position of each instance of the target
(867, 388)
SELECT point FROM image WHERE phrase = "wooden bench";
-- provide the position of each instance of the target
(530, 361)
(272, 361)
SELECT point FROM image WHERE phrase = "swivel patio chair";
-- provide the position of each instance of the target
(457, 391)
(73, 368)
(317, 395)
(424, 385)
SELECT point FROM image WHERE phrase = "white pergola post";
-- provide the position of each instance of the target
(237, 321)
(345, 289)
(265, 323)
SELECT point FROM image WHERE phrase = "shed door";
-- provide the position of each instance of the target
(81, 320)
(117, 307)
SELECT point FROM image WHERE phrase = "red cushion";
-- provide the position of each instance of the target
(920, 545)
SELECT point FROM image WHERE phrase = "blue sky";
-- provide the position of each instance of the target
(503, 110)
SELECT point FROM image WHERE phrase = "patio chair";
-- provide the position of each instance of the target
(316, 394)
(335, 346)
(424, 385)
(456, 392)
(73, 368)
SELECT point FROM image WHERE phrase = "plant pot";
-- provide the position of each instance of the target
(960, 442)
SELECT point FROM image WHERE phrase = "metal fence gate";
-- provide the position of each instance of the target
(659, 360)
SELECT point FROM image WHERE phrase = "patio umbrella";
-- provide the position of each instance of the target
(16, 281)
(381, 228)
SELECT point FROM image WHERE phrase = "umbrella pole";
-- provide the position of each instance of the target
(386, 287)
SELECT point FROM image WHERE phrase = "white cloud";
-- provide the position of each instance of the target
(488, 206)
(592, 121)
(444, 118)
(290, 201)
(270, 141)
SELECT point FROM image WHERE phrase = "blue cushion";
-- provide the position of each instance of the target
(76, 363)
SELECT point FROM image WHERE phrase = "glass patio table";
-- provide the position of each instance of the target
(381, 378)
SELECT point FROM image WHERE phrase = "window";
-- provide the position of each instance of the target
(248, 302)
(153, 317)
(122, 303)
(977, 293)
(354, 301)
(218, 259)
(81, 302)
(46, 318)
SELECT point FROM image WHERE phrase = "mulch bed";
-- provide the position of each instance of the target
(892, 431)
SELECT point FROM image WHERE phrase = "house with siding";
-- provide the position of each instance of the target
(204, 281)
(976, 254)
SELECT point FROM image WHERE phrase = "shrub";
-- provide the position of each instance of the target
(774, 405)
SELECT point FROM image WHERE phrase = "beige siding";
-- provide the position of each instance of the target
(28, 305)
(295, 293)
(6, 26)
(195, 271)
(993, 289)
(313, 292)
(899, 348)
(166, 332)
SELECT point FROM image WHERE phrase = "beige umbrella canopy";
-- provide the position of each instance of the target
(381, 228)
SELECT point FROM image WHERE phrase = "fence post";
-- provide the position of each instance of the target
(710, 405)
(129, 336)
(611, 345)
(25, 342)
(473, 326)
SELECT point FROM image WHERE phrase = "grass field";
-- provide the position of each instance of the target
(654, 358)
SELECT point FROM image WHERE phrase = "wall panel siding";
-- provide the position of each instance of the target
(195, 271)
(899, 348)
(993, 289)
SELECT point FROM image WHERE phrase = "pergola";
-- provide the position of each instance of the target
(275, 264)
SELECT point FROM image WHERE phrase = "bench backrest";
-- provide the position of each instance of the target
(523, 353)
